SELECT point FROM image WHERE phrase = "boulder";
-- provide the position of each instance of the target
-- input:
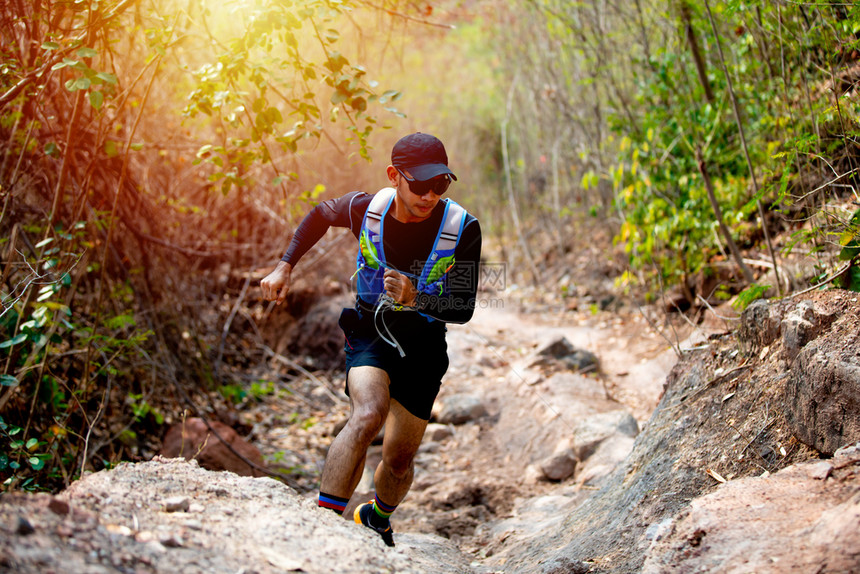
(589, 433)
(193, 440)
(557, 349)
(459, 409)
(759, 326)
(316, 337)
(604, 460)
(801, 325)
(819, 341)
(790, 521)
(822, 395)
(562, 352)
(438, 432)
(559, 466)
(609, 435)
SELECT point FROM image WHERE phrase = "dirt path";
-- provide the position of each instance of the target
(634, 358)
(484, 472)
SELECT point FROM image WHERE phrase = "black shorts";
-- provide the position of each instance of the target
(415, 378)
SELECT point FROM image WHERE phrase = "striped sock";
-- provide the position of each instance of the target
(382, 510)
(332, 502)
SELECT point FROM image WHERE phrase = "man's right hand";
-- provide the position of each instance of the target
(276, 284)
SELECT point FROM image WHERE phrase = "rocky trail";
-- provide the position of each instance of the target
(562, 442)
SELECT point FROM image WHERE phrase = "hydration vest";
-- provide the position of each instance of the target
(370, 261)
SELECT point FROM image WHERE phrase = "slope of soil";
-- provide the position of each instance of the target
(724, 416)
(674, 498)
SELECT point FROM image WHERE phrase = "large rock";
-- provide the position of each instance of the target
(614, 430)
(316, 337)
(590, 433)
(822, 396)
(194, 440)
(459, 409)
(112, 521)
(759, 326)
(797, 520)
(819, 340)
(559, 466)
(792, 324)
(605, 459)
(801, 325)
(723, 417)
(562, 352)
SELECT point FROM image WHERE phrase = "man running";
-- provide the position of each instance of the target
(417, 269)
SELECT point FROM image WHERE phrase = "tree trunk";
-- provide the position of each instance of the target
(527, 256)
(746, 151)
(718, 214)
(693, 43)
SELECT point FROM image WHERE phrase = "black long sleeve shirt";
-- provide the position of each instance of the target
(407, 247)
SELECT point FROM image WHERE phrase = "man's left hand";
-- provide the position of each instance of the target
(399, 287)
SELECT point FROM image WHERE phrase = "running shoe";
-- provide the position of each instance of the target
(362, 515)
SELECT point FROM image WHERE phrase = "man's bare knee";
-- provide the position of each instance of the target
(366, 424)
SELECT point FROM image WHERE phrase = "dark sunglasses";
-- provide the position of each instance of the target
(437, 185)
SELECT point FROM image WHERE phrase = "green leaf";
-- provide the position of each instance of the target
(392, 95)
(8, 381)
(395, 111)
(96, 99)
(45, 295)
(748, 295)
(50, 46)
(120, 322)
(78, 84)
(51, 149)
(64, 63)
(850, 239)
(110, 148)
(41, 314)
(31, 443)
(87, 53)
(849, 252)
(339, 97)
(36, 463)
(19, 338)
(136, 146)
(107, 78)
(336, 62)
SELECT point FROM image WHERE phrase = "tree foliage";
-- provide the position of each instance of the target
(143, 142)
(645, 87)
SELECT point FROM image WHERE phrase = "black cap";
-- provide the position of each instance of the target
(422, 155)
